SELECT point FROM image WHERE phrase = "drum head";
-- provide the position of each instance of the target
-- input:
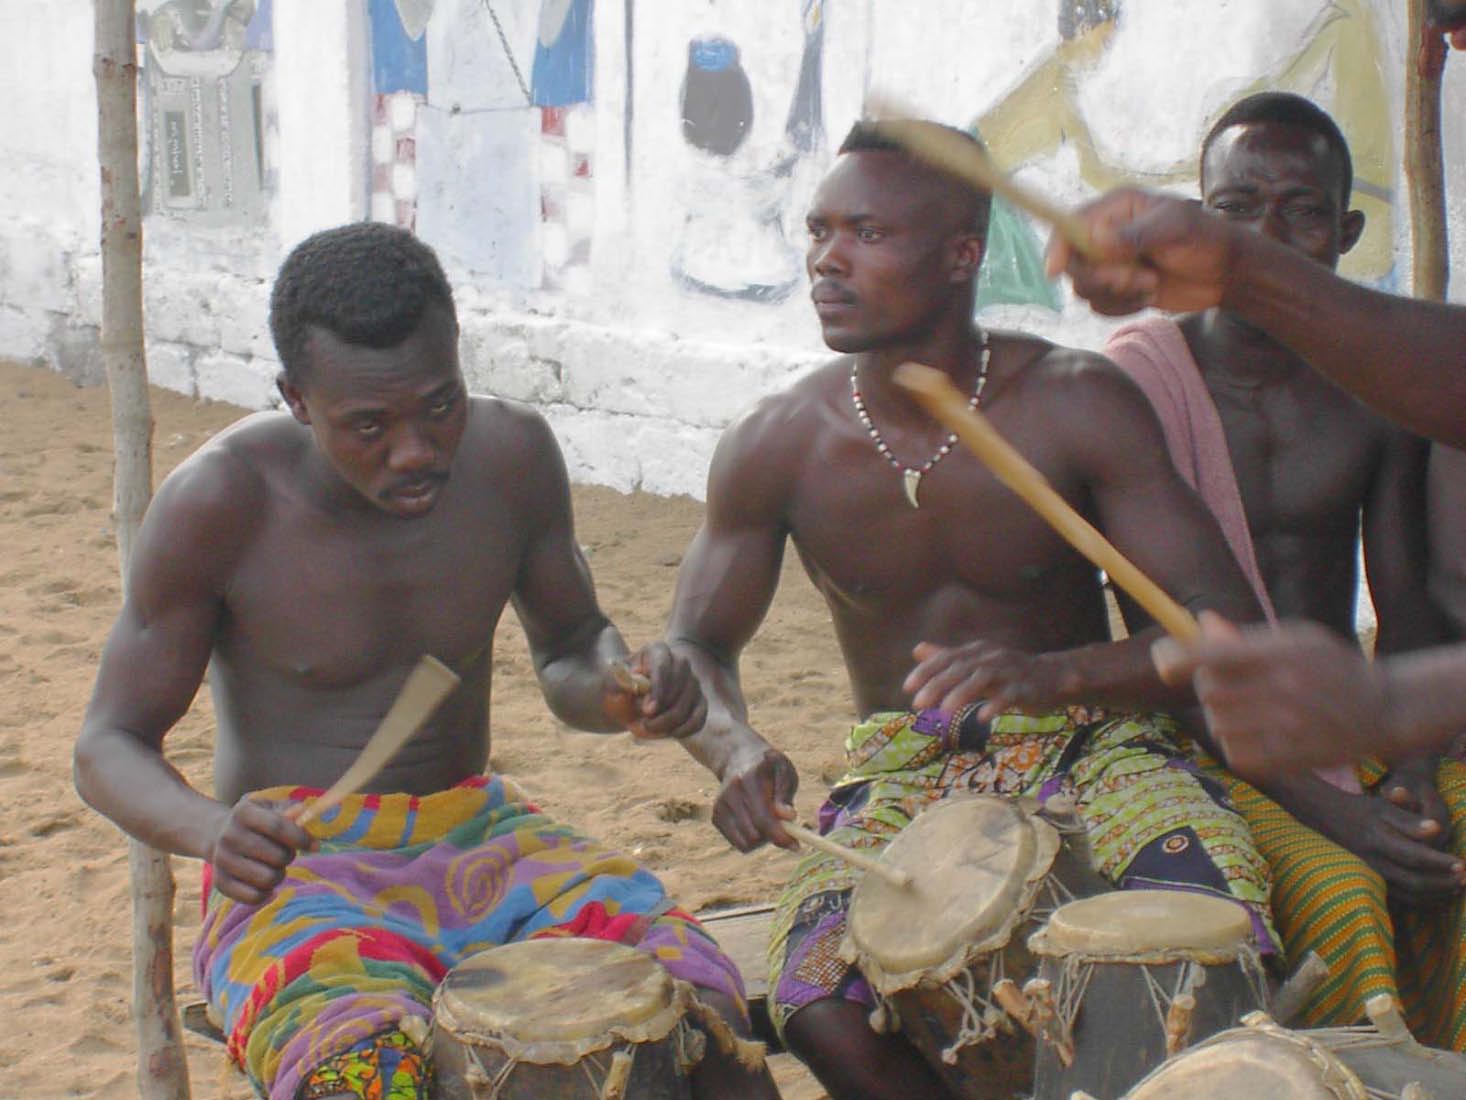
(1146, 924)
(557, 991)
(976, 863)
(1255, 1064)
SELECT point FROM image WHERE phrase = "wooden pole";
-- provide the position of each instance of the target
(162, 1072)
(1423, 164)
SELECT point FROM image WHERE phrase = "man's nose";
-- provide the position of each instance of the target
(828, 257)
(412, 450)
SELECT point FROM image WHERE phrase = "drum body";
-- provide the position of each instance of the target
(1136, 975)
(938, 953)
(562, 1019)
(1262, 1059)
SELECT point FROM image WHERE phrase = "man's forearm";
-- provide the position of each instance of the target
(726, 739)
(1117, 674)
(574, 682)
(1426, 706)
(1405, 357)
(146, 796)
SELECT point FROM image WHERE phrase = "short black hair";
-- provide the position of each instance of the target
(366, 283)
(866, 136)
(1287, 109)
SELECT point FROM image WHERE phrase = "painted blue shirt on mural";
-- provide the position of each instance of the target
(562, 69)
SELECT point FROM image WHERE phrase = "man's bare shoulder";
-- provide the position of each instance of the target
(504, 435)
(234, 470)
(765, 445)
(1034, 369)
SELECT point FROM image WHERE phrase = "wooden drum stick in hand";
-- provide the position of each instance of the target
(861, 860)
(940, 398)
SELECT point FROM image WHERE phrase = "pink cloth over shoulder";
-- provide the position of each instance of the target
(1154, 353)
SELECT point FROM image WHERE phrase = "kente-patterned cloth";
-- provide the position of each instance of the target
(402, 889)
(1152, 819)
(1328, 900)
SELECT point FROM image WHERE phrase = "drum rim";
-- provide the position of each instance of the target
(1338, 1078)
(652, 1028)
(1046, 842)
(1047, 941)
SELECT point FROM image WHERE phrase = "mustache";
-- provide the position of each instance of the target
(827, 290)
(408, 484)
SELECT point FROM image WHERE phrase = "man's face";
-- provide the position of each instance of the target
(887, 255)
(1283, 181)
(387, 419)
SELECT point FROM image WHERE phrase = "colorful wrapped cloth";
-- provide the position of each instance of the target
(1152, 819)
(1328, 900)
(402, 889)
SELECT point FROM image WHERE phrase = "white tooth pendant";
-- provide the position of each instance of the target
(911, 482)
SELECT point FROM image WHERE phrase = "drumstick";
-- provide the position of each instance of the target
(969, 161)
(940, 398)
(427, 685)
(629, 681)
(897, 878)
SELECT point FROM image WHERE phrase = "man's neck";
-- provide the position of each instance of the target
(1239, 355)
(956, 353)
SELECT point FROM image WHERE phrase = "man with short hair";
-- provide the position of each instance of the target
(1292, 466)
(307, 559)
(918, 550)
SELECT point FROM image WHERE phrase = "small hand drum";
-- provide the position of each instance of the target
(1262, 1059)
(1128, 978)
(562, 1019)
(942, 953)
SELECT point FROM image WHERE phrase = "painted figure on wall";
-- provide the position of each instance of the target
(204, 75)
(1335, 62)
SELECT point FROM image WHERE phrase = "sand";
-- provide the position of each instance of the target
(65, 969)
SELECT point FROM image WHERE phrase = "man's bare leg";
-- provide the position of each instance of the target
(720, 1075)
(835, 1040)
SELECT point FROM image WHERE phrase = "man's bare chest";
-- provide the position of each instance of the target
(331, 608)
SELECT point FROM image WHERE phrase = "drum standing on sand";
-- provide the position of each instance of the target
(1132, 977)
(562, 1019)
(943, 953)
(1263, 1060)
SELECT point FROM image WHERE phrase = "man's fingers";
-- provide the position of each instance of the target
(1173, 661)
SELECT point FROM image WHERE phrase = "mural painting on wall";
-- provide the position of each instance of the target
(735, 240)
(1334, 61)
(205, 102)
(482, 134)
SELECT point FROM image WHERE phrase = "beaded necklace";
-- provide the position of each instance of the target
(911, 475)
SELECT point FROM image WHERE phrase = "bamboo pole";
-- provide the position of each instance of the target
(1423, 164)
(162, 1072)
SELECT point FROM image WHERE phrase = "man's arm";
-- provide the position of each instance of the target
(572, 642)
(1404, 357)
(1395, 548)
(151, 668)
(728, 578)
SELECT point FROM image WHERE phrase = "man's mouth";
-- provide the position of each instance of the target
(830, 299)
(416, 492)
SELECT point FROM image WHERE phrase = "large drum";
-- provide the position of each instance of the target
(944, 954)
(562, 1019)
(1128, 978)
(1262, 1060)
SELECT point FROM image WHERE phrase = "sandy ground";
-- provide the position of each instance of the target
(65, 970)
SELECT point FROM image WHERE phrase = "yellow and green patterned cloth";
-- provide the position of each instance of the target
(1153, 820)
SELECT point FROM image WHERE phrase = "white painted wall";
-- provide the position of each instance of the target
(637, 372)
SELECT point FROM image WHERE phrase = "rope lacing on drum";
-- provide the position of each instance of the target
(980, 1015)
(1189, 978)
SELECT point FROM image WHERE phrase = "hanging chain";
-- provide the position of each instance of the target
(509, 53)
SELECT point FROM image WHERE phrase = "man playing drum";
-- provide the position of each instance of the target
(918, 550)
(308, 559)
(1291, 465)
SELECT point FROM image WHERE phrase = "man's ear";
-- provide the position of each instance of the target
(1351, 228)
(290, 392)
(968, 257)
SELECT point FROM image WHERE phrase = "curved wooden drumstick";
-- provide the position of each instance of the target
(970, 162)
(940, 398)
(427, 685)
(629, 681)
(896, 877)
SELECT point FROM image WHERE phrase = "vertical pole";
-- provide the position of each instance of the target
(1423, 163)
(162, 1066)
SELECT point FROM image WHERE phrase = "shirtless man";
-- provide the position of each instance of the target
(917, 549)
(1294, 697)
(307, 559)
(1308, 461)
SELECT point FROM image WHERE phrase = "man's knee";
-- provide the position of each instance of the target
(829, 1028)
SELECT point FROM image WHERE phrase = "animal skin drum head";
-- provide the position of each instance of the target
(554, 991)
(1255, 1065)
(1140, 924)
(975, 862)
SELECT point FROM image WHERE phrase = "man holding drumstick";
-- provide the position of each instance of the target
(307, 559)
(918, 550)
(1297, 696)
